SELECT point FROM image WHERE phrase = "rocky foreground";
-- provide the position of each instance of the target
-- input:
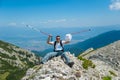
(55, 69)
(100, 64)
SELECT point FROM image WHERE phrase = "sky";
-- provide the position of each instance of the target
(59, 13)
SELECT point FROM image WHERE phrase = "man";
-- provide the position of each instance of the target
(58, 50)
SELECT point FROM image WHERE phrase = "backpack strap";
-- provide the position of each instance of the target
(54, 45)
(60, 45)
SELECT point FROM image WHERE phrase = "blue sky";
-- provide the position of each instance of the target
(59, 13)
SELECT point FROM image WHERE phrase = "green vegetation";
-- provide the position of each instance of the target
(13, 57)
(31, 64)
(17, 74)
(4, 75)
(112, 73)
(6, 56)
(107, 78)
(5, 46)
(21, 52)
(7, 70)
(86, 63)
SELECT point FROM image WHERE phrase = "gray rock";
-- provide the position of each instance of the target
(105, 59)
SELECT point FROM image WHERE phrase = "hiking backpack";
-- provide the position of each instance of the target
(60, 45)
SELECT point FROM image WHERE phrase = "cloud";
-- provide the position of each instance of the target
(115, 5)
(12, 24)
(61, 20)
(53, 21)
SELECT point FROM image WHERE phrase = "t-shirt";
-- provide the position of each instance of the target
(57, 46)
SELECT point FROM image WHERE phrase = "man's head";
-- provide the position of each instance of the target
(57, 38)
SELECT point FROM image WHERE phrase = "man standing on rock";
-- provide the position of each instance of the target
(58, 51)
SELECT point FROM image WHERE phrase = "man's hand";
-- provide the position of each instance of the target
(48, 40)
(50, 36)
(66, 42)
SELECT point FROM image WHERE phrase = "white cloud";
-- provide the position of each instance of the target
(43, 22)
(115, 5)
(53, 21)
(61, 20)
(12, 24)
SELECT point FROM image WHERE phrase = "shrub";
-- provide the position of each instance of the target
(86, 63)
(16, 74)
(4, 75)
(107, 78)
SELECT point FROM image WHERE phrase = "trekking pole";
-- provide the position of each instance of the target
(51, 38)
(80, 31)
(37, 30)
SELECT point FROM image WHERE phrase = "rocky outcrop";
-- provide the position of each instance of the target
(109, 54)
(55, 69)
(106, 63)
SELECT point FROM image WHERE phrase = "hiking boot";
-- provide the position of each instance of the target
(41, 62)
(70, 64)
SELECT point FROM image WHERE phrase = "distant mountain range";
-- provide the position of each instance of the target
(95, 42)
(30, 39)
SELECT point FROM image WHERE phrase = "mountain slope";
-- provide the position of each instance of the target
(109, 54)
(14, 61)
(95, 42)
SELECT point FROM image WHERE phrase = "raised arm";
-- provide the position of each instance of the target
(48, 40)
(66, 42)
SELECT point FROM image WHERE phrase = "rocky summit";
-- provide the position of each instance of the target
(55, 69)
(93, 65)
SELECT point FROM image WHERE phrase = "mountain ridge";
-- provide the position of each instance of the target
(95, 42)
(109, 54)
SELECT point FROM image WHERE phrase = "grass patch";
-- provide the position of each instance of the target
(15, 73)
(4, 75)
(86, 63)
(107, 78)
